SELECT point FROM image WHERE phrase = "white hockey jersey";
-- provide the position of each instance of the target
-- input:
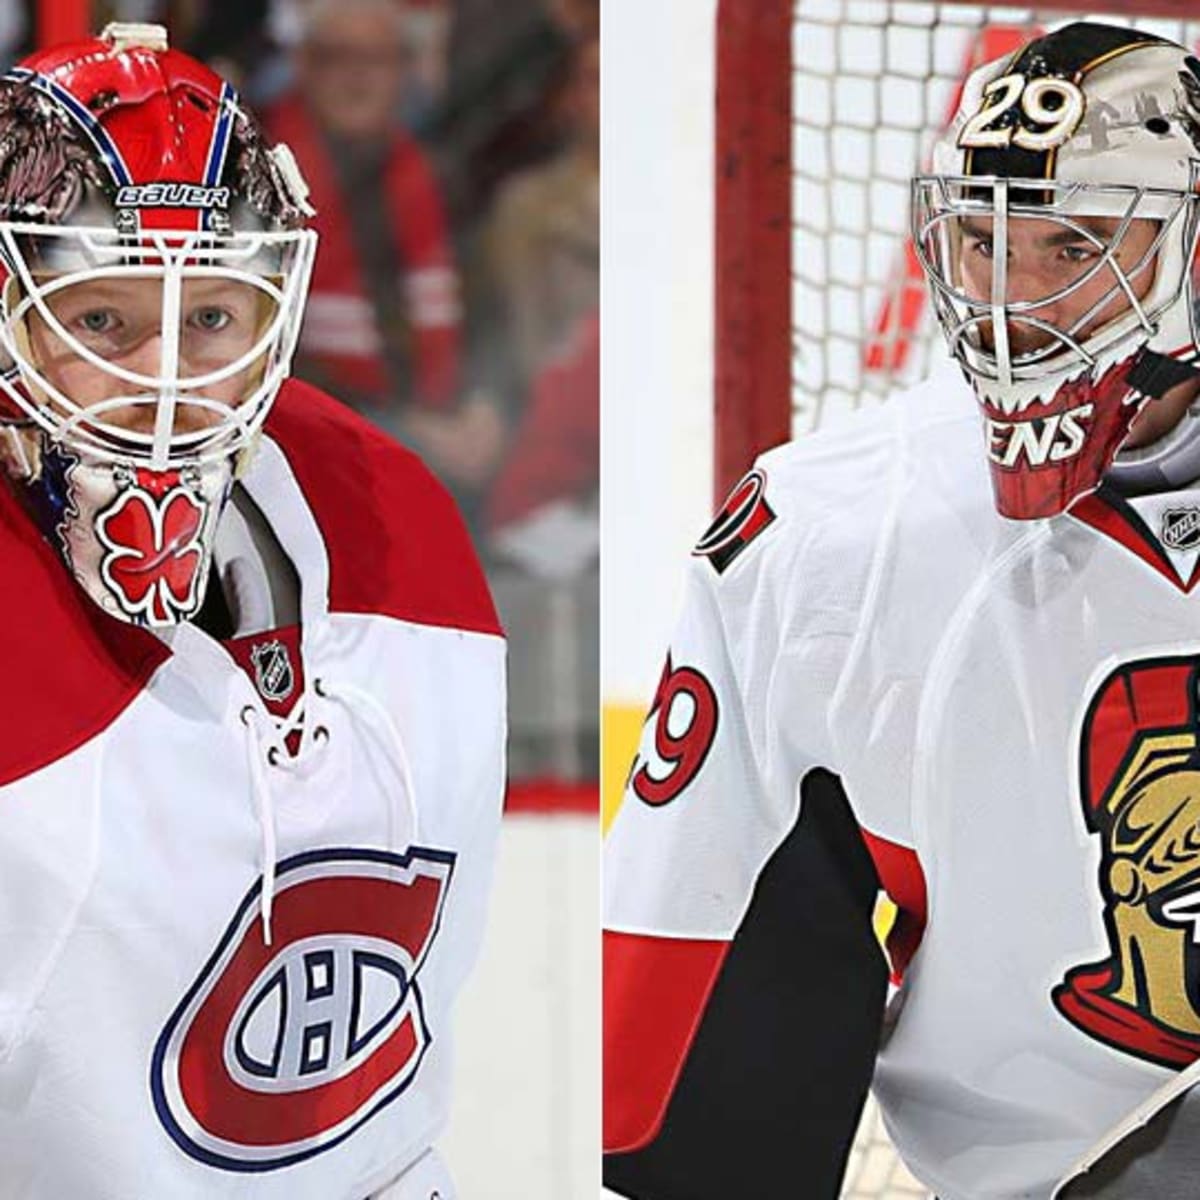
(153, 1041)
(1014, 712)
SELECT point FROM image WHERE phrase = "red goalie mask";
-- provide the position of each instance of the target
(153, 265)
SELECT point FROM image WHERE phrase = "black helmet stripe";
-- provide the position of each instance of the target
(1067, 53)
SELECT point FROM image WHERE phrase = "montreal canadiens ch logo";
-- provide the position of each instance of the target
(278, 1053)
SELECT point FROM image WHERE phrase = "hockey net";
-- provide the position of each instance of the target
(825, 110)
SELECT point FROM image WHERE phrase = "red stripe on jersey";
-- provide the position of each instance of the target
(69, 669)
(655, 992)
(395, 540)
(901, 877)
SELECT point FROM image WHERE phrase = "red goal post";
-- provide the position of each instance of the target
(779, 340)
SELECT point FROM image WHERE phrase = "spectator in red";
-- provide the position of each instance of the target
(383, 314)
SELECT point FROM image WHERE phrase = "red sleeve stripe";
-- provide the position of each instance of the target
(901, 877)
(655, 993)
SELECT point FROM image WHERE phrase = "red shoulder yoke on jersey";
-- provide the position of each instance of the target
(70, 669)
(395, 540)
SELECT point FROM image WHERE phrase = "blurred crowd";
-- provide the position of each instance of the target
(452, 149)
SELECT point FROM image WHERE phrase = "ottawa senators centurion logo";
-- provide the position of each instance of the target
(1140, 786)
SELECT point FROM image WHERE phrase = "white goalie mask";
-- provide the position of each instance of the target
(1058, 234)
(153, 272)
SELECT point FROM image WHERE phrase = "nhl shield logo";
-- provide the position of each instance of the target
(273, 673)
(1181, 528)
(279, 1052)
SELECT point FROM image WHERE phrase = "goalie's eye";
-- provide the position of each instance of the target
(209, 319)
(98, 320)
(1080, 252)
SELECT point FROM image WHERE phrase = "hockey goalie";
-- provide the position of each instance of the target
(245, 850)
(951, 652)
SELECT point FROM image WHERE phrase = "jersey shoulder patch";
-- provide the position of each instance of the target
(744, 515)
(396, 542)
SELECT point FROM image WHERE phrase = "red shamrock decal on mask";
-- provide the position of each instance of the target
(151, 533)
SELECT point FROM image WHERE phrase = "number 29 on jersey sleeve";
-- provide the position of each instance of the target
(684, 717)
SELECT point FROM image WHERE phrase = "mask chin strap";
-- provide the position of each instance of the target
(1154, 374)
(1173, 461)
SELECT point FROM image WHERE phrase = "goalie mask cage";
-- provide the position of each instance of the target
(825, 109)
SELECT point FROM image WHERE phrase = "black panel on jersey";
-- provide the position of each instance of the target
(1070, 52)
(770, 1096)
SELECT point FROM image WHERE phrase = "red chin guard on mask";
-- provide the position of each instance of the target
(1047, 456)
